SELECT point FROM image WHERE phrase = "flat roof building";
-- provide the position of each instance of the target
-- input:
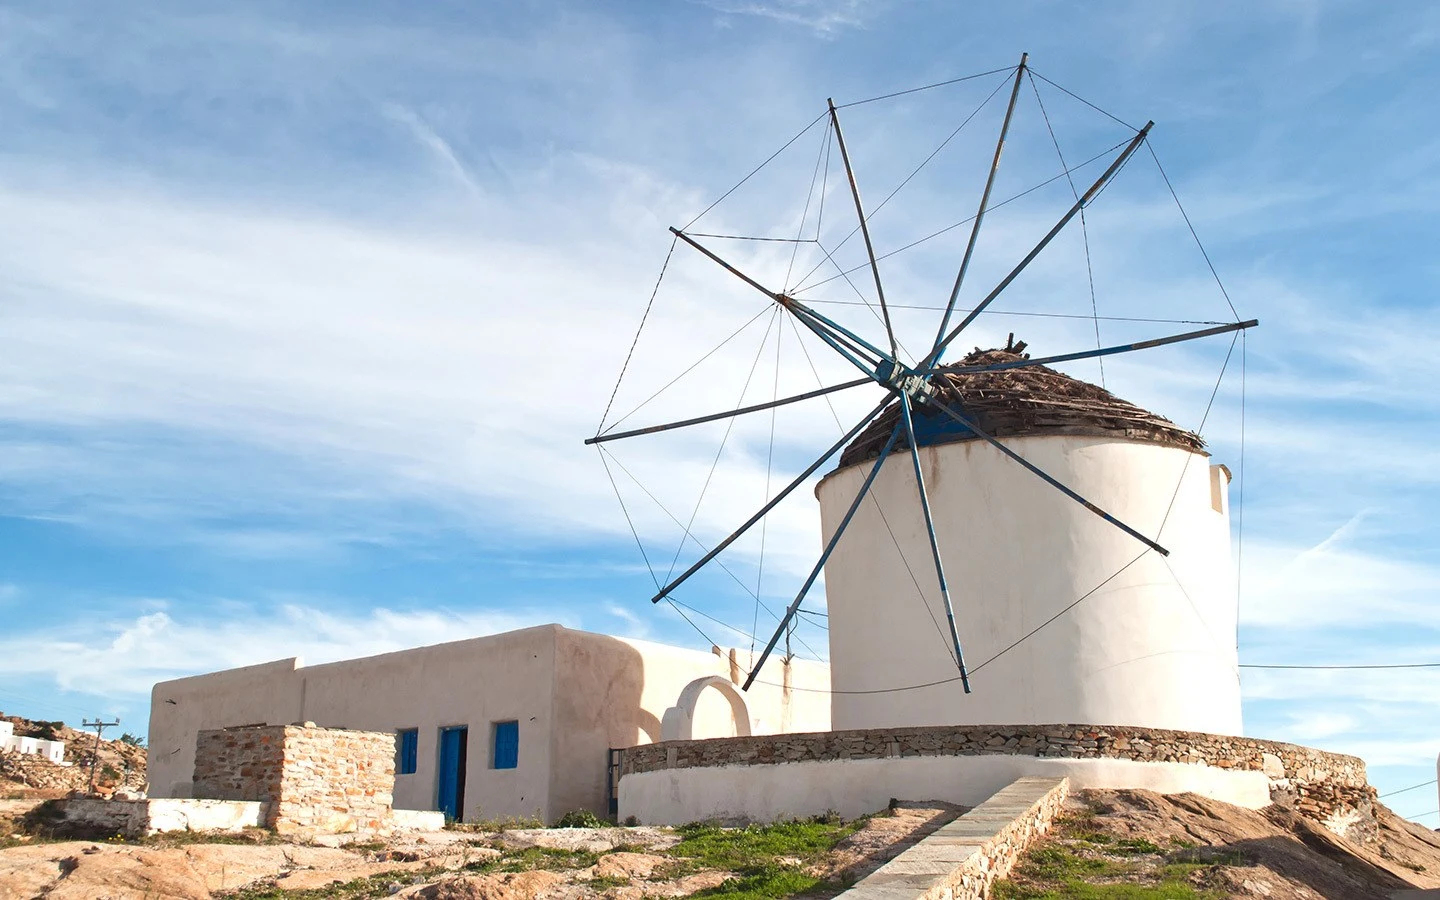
(509, 725)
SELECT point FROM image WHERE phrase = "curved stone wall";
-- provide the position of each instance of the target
(1328, 787)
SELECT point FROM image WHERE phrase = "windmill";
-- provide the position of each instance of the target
(910, 386)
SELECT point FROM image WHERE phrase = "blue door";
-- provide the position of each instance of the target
(451, 780)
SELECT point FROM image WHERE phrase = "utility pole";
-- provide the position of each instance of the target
(99, 726)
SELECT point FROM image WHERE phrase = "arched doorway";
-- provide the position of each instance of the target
(679, 721)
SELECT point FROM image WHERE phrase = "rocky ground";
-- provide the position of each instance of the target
(817, 858)
(1139, 845)
(120, 764)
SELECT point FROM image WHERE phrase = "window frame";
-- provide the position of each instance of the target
(508, 756)
(407, 754)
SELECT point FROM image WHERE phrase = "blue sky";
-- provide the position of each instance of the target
(304, 313)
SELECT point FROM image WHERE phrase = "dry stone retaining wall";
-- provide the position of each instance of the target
(964, 858)
(314, 780)
(1328, 787)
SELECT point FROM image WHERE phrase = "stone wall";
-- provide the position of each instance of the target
(964, 858)
(1330, 788)
(314, 780)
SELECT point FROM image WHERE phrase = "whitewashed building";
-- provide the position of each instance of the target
(1064, 617)
(510, 725)
(51, 750)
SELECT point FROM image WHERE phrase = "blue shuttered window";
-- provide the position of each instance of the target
(407, 745)
(507, 745)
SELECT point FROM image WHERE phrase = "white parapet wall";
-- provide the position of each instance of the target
(770, 777)
(856, 787)
(135, 818)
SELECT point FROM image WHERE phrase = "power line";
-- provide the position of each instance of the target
(1410, 788)
(1429, 665)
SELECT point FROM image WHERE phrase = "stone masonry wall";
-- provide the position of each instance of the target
(314, 780)
(1330, 788)
(239, 763)
(996, 856)
(964, 858)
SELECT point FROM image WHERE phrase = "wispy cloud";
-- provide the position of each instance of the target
(433, 142)
(824, 17)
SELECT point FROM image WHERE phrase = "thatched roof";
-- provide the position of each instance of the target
(1013, 402)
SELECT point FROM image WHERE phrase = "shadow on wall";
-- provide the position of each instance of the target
(598, 704)
(608, 694)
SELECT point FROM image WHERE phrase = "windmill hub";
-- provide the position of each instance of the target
(905, 381)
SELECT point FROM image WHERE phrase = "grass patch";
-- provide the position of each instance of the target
(531, 858)
(754, 854)
(768, 882)
(508, 823)
(1066, 870)
(740, 849)
(372, 888)
(1135, 847)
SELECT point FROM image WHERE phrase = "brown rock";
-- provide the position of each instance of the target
(626, 865)
(509, 886)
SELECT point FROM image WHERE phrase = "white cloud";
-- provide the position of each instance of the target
(128, 656)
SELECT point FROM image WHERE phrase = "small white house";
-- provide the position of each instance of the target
(51, 750)
(514, 724)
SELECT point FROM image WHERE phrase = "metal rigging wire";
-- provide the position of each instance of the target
(911, 176)
(1084, 227)
(1032, 314)
(626, 365)
(805, 213)
(725, 439)
(769, 468)
(671, 383)
(803, 288)
(1083, 100)
(767, 162)
(1007, 70)
(663, 508)
(1186, 217)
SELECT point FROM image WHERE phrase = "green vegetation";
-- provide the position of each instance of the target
(581, 818)
(1086, 863)
(133, 740)
(767, 882)
(764, 858)
(375, 886)
(736, 849)
(508, 823)
(531, 858)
